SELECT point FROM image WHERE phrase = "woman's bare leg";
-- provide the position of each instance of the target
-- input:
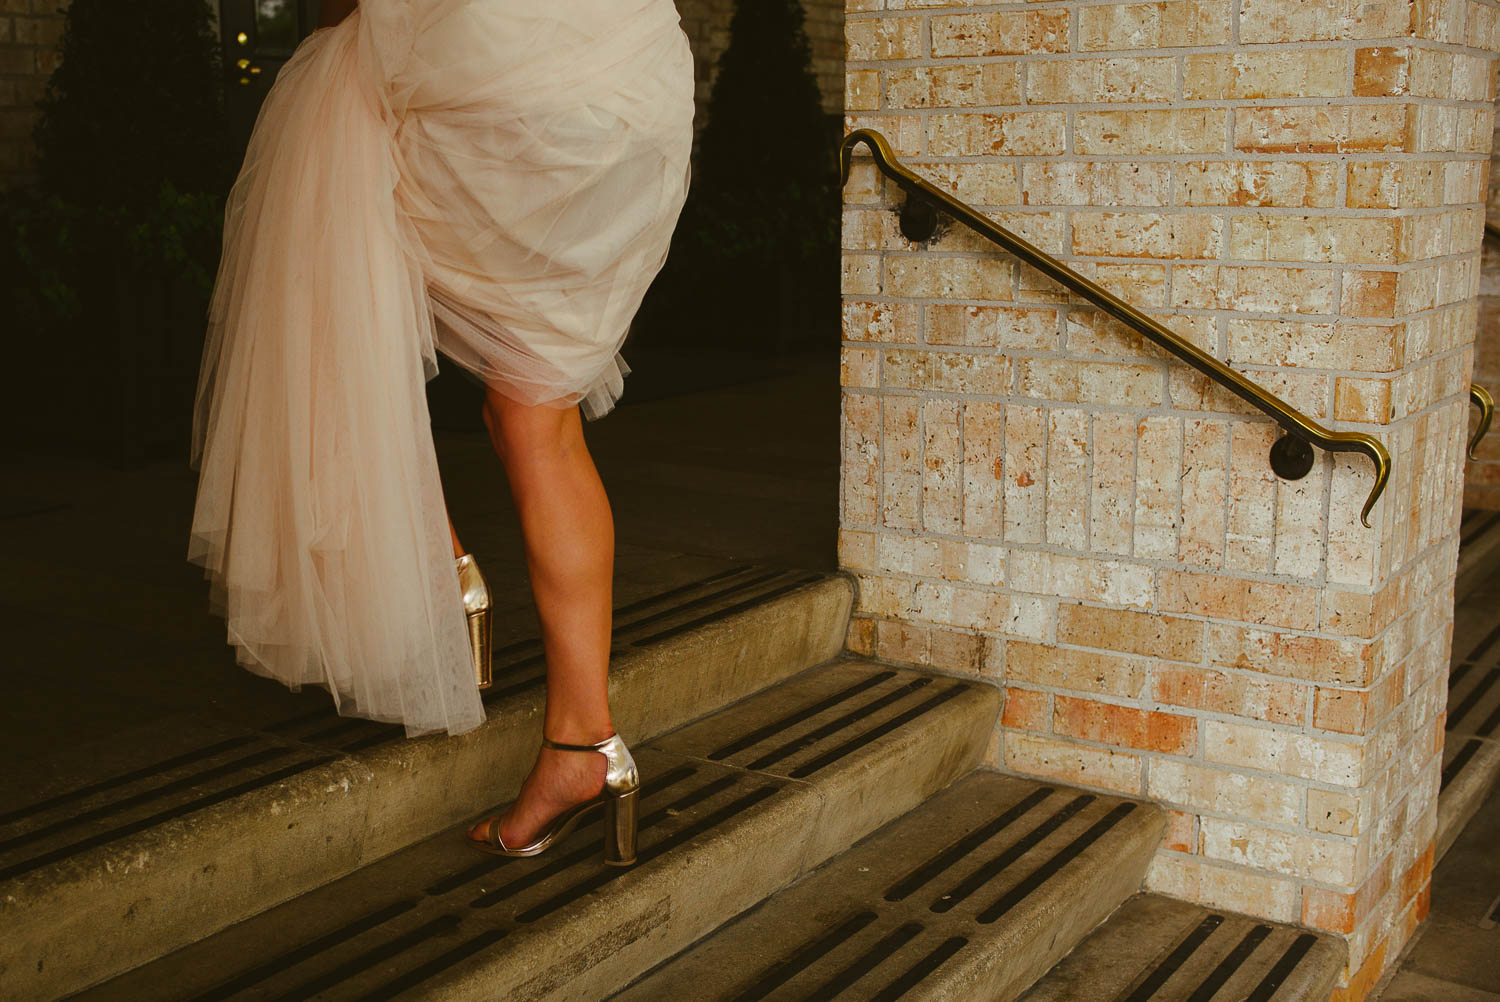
(570, 551)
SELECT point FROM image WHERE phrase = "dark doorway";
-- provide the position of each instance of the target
(259, 37)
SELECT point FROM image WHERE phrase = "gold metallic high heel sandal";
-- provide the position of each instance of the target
(622, 785)
(478, 609)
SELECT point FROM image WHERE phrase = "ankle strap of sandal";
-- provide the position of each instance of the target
(597, 746)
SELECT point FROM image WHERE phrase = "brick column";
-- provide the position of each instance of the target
(1034, 494)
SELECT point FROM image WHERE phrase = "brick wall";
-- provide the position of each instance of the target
(1033, 494)
(1482, 484)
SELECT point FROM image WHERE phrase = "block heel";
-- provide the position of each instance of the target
(479, 609)
(619, 828)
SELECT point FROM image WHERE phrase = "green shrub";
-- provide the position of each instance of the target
(137, 99)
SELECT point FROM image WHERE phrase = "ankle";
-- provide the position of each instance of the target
(578, 732)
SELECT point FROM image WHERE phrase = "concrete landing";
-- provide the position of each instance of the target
(971, 896)
(735, 806)
(1162, 950)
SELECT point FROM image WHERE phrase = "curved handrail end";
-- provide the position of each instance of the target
(1382, 460)
(1481, 398)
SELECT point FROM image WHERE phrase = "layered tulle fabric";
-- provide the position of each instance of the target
(493, 179)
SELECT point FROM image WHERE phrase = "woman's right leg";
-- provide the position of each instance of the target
(569, 539)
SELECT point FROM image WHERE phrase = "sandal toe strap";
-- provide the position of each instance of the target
(492, 835)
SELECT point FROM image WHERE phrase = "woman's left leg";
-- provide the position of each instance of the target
(570, 547)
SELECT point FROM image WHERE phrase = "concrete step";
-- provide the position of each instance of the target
(735, 806)
(1471, 746)
(1162, 950)
(213, 819)
(1478, 550)
(971, 896)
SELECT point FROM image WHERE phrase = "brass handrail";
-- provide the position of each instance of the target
(1481, 398)
(1291, 455)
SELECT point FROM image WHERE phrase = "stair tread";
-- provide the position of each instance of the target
(971, 895)
(734, 806)
(1166, 950)
(212, 819)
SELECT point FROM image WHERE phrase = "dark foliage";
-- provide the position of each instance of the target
(755, 254)
(137, 100)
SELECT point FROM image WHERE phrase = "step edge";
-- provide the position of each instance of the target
(405, 759)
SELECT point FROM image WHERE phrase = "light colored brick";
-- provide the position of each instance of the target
(1131, 632)
(999, 34)
(1198, 688)
(1107, 183)
(922, 276)
(1079, 671)
(1323, 129)
(1339, 763)
(983, 474)
(1151, 131)
(1112, 483)
(1226, 597)
(1025, 474)
(1287, 73)
(1327, 860)
(960, 86)
(1335, 812)
(1205, 788)
(1298, 21)
(1232, 888)
(1067, 478)
(1154, 25)
(1089, 383)
(1082, 578)
(1257, 183)
(1315, 239)
(1018, 133)
(1254, 289)
(1334, 660)
(869, 38)
(1072, 763)
(1158, 487)
(1111, 81)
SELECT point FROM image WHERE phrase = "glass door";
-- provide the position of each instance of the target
(259, 36)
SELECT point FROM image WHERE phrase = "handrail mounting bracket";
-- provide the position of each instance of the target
(919, 218)
(1291, 457)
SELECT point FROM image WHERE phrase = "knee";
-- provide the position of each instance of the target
(525, 431)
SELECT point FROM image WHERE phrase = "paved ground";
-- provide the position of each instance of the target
(1455, 954)
(107, 625)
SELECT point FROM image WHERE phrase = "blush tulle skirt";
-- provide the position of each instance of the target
(495, 180)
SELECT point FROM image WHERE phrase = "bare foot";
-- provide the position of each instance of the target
(557, 781)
